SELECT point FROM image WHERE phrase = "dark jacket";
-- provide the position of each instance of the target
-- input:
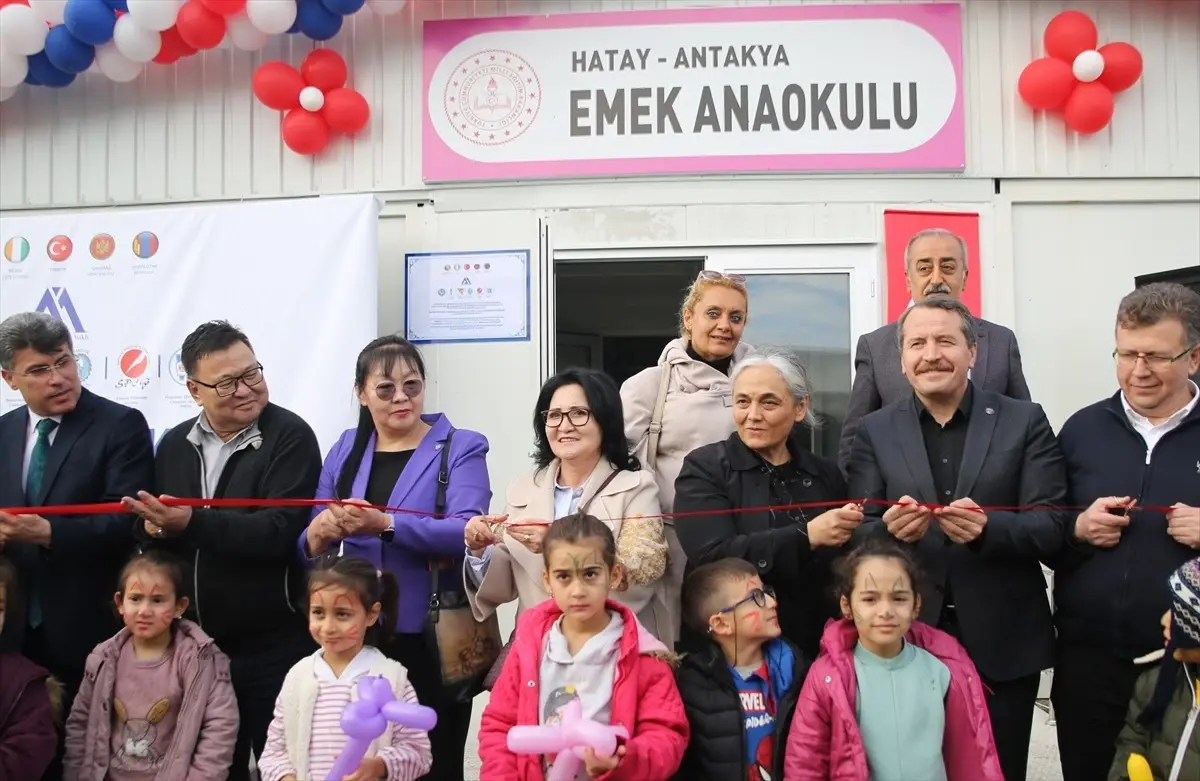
(102, 452)
(723, 477)
(245, 583)
(27, 735)
(1113, 598)
(1159, 746)
(717, 749)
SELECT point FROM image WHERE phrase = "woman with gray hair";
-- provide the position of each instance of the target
(742, 494)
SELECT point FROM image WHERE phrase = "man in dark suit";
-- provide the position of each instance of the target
(65, 446)
(936, 265)
(946, 453)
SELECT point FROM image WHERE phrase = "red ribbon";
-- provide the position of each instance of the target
(110, 508)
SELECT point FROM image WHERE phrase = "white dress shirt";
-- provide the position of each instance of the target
(31, 440)
(1154, 432)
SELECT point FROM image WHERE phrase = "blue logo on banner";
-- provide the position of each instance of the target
(56, 302)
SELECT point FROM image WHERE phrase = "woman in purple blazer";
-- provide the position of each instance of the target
(392, 460)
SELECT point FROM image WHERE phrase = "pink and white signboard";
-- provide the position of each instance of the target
(692, 91)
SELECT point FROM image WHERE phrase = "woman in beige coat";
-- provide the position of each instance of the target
(686, 400)
(582, 464)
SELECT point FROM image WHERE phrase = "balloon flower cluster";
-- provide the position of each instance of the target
(316, 99)
(1077, 78)
(49, 43)
(568, 740)
(366, 719)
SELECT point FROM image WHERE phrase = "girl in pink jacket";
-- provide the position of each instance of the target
(889, 698)
(580, 645)
(156, 701)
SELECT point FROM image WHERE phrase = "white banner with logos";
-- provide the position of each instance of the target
(299, 277)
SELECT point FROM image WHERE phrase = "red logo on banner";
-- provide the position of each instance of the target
(59, 248)
(900, 226)
(134, 362)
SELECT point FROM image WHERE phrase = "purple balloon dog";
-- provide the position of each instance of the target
(568, 741)
(367, 718)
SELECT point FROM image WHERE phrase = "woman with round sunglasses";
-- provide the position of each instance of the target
(582, 463)
(683, 401)
(746, 496)
(393, 459)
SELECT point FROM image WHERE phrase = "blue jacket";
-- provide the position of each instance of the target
(1112, 599)
(419, 537)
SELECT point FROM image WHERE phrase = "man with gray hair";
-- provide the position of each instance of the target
(1133, 460)
(956, 466)
(935, 265)
(66, 445)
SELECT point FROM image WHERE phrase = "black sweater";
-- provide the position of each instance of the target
(242, 572)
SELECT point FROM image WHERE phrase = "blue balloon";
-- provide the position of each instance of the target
(118, 5)
(315, 21)
(66, 52)
(43, 72)
(31, 79)
(91, 21)
(343, 7)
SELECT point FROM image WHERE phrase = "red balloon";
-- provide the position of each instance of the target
(198, 26)
(1089, 109)
(278, 85)
(1046, 83)
(13, 2)
(224, 7)
(346, 110)
(173, 47)
(1122, 66)
(324, 69)
(305, 132)
(1070, 33)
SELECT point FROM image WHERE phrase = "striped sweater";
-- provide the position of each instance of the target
(306, 735)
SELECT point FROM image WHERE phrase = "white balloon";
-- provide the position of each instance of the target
(243, 33)
(385, 7)
(134, 42)
(6, 93)
(22, 31)
(1088, 65)
(273, 17)
(52, 11)
(115, 65)
(312, 99)
(13, 69)
(157, 15)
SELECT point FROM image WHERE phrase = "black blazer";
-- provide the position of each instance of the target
(725, 476)
(1011, 458)
(102, 452)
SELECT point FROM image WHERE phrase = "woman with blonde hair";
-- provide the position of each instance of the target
(684, 401)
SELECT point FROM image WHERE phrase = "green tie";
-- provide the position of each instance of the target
(37, 461)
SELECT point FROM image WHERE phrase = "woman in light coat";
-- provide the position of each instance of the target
(686, 400)
(582, 464)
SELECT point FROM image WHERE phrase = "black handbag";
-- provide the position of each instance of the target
(466, 649)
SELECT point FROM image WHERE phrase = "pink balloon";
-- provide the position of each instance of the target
(568, 740)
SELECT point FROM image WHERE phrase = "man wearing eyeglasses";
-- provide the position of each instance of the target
(1133, 460)
(66, 445)
(246, 586)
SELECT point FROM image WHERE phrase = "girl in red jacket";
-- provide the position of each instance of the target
(889, 698)
(581, 646)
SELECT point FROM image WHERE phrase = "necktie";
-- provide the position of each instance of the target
(33, 488)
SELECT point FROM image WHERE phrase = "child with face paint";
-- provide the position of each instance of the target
(351, 611)
(581, 645)
(739, 688)
(889, 698)
(156, 700)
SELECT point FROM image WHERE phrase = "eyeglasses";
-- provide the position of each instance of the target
(43, 372)
(229, 387)
(736, 279)
(1128, 359)
(579, 416)
(386, 391)
(758, 596)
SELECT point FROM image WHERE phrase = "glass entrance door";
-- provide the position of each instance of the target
(815, 300)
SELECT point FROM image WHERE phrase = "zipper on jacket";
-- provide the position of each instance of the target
(196, 588)
(1188, 726)
(189, 700)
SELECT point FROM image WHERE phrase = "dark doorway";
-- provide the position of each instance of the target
(618, 315)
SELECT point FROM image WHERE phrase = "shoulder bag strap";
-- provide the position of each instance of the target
(583, 508)
(439, 509)
(664, 380)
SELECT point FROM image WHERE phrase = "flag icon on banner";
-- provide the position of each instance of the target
(145, 244)
(16, 249)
